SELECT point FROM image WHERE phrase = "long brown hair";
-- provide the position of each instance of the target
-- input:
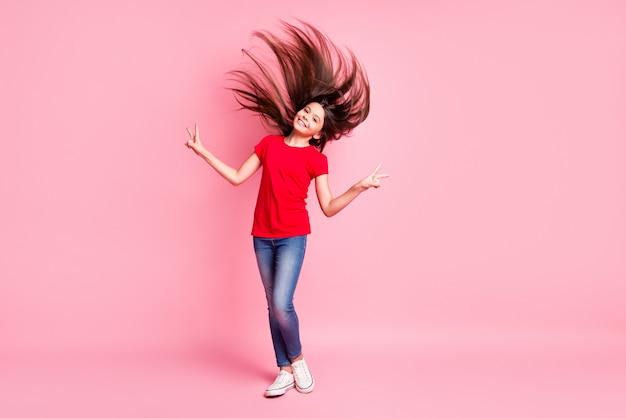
(306, 67)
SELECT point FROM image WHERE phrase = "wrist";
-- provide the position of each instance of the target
(199, 148)
(360, 187)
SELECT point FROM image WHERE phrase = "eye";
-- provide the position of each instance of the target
(306, 109)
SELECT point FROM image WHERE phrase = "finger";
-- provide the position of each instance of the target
(196, 130)
(189, 132)
(377, 168)
(382, 176)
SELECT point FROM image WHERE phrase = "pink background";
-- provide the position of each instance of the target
(502, 226)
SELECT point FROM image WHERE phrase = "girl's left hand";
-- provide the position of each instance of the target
(373, 180)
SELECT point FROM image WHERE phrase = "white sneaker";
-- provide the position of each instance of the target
(284, 381)
(302, 375)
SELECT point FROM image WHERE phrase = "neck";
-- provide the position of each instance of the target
(295, 140)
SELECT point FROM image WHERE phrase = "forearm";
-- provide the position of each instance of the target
(332, 205)
(335, 205)
(227, 172)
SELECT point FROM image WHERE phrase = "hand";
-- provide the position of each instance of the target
(194, 140)
(373, 180)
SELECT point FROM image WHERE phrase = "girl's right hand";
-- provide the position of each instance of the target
(194, 140)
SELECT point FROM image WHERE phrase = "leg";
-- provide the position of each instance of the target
(289, 259)
(280, 263)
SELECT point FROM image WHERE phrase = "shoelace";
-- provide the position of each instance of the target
(282, 376)
(301, 371)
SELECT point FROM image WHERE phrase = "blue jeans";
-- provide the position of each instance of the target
(280, 261)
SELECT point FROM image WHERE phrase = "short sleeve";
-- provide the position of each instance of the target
(261, 148)
(319, 165)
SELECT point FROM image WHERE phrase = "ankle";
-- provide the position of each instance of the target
(300, 357)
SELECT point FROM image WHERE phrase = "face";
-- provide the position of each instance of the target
(309, 121)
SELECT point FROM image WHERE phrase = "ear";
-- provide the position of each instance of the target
(318, 135)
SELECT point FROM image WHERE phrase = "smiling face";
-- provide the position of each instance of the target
(309, 121)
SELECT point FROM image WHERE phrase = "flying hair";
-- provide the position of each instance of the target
(302, 65)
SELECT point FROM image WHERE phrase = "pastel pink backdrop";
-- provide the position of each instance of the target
(502, 126)
(501, 123)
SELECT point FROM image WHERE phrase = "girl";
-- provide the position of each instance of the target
(323, 94)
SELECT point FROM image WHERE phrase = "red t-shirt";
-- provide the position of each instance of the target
(287, 173)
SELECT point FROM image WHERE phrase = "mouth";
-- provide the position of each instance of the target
(301, 123)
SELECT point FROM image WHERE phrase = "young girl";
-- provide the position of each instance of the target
(323, 94)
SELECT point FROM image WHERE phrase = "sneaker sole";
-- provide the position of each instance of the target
(278, 392)
(306, 390)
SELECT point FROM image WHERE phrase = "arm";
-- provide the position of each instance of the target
(332, 205)
(232, 175)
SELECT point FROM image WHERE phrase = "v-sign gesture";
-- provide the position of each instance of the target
(194, 140)
(373, 180)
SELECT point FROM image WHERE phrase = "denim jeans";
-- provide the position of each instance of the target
(280, 261)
